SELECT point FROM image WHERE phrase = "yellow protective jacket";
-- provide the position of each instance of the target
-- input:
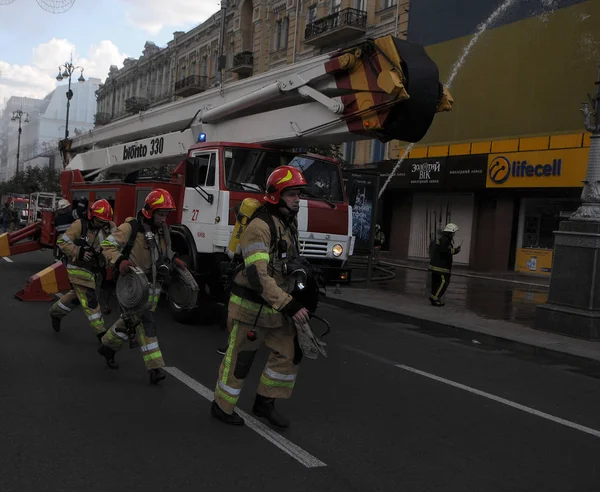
(140, 255)
(71, 244)
(259, 293)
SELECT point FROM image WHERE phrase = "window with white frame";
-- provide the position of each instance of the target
(281, 34)
(335, 6)
(312, 14)
(360, 5)
(385, 4)
(378, 151)
(350, 152)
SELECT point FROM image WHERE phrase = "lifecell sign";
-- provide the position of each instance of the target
(564, 168)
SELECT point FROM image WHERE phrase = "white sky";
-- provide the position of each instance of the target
(99, 33)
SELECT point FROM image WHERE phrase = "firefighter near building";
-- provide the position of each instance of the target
(221, 146)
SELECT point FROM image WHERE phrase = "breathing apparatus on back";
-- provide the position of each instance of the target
(297, 270)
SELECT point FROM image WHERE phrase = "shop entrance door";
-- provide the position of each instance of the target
(431, 213)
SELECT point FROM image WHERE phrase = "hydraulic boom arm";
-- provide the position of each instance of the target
(385, 88)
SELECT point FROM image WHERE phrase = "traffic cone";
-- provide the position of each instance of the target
(43, 285)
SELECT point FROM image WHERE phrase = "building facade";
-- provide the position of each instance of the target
(508, 163)
(9, 129)
(45, 126)
(260, 35)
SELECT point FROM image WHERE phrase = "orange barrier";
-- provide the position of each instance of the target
(43, 285)
(9, 240)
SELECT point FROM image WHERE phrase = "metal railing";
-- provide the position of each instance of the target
(197, 81)
(346, 17)
(101, 119)
(135, 104)
(245, 58)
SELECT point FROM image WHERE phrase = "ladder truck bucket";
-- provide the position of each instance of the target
(42, 286)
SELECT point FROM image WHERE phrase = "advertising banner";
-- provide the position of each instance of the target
(565, 168)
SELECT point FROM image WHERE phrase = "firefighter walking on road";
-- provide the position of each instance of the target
(261, 308)
(80, 244)
(440, 264)
(143, 242)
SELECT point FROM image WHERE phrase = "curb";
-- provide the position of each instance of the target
(465, 333)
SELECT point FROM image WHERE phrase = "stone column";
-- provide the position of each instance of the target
(573, 306)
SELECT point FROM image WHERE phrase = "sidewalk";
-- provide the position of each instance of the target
(463, 323)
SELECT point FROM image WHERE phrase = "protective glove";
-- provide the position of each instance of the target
(85, 254)
(124, 267)
(310, 345)
(295, 310)
(181, 264)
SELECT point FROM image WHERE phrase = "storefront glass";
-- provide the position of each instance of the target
(538, 219)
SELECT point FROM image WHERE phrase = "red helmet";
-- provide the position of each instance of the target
(158, 199)
(102, 210)
(283, 178)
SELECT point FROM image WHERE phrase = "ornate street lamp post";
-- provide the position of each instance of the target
(573, 306)
(18, 116)
(66, 71)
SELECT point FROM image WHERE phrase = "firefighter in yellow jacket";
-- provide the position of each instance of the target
(80, 243)
(260, 307)
(142, 242)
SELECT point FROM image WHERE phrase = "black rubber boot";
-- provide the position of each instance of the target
(55, 323)
(265, 408)
(217, 412)
(109, 355)
(100, 335)
(156, 375)
(436, 303)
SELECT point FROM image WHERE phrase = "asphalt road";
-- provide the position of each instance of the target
(370, 417)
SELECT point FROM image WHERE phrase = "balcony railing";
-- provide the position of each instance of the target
(136, 104)
(243, 63)
(191, 85)
(101, 119)
(340, 26)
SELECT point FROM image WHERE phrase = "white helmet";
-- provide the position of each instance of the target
(63, 204)
(451, 228)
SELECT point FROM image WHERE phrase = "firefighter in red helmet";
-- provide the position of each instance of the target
(261, 308)
(143, 242)
(81, 245)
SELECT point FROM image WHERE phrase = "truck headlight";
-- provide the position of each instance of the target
(337, 250)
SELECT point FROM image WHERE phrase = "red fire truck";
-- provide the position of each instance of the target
(219, 146)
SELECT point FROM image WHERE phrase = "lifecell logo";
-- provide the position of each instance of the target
(499, 170)
(502, 168)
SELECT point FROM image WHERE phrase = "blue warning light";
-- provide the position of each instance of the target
(201, 137)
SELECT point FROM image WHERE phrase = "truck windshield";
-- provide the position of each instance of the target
(21, 205)
(248, 170)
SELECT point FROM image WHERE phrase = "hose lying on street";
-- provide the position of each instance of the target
(388, 275)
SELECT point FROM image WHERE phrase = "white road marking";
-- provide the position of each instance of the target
(504, 401)
(296, 452)
(7, 259)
